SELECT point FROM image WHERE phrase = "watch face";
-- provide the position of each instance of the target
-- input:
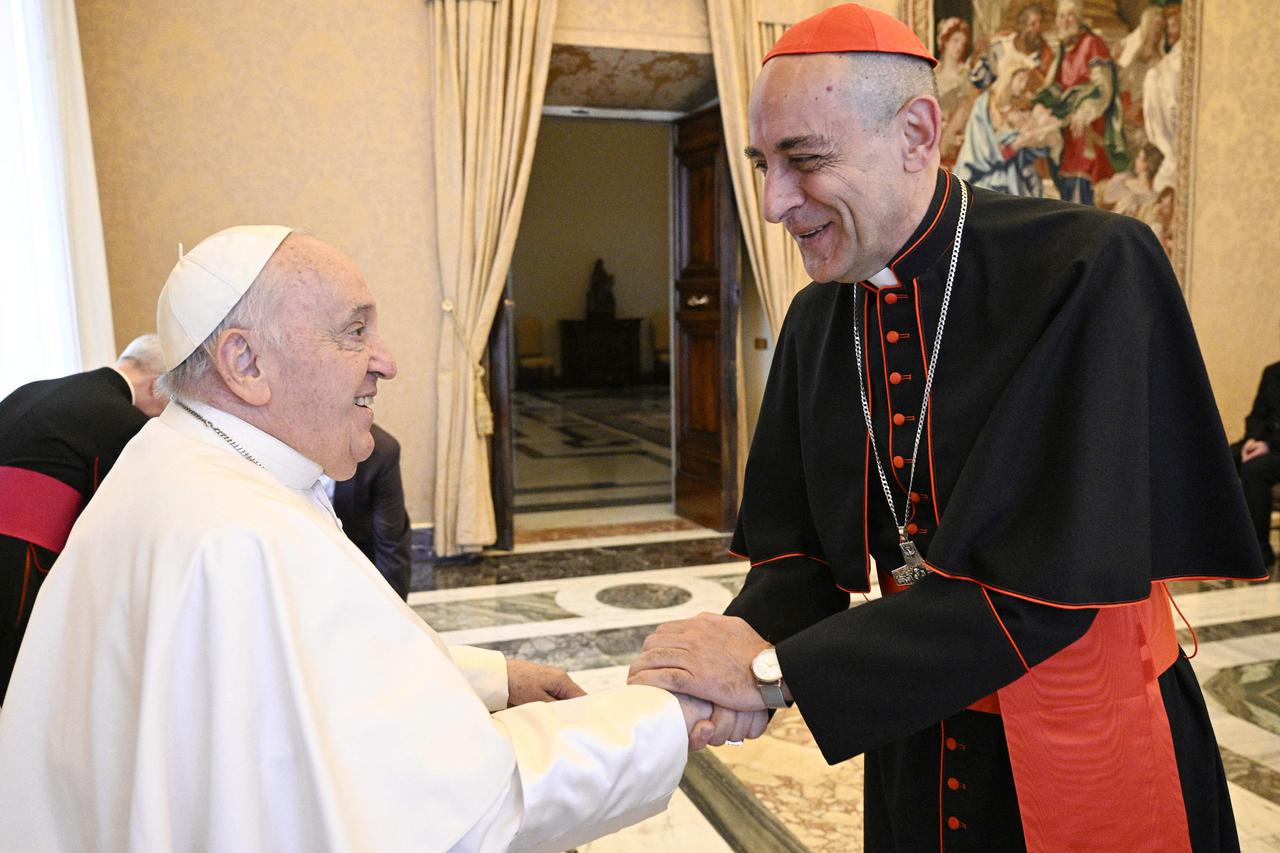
(765, 666)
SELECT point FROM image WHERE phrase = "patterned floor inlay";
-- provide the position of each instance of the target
(585, 448)
(579, 562)
(1251, 775)
(819, 804)
(643, 596)
(616, 647)
(643, 411)
(1229, 630)
(1250, 691)
(515, 610)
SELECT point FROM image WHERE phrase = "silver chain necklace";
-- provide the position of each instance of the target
(913, 568)
(210, 424)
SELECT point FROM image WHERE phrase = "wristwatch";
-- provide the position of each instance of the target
(764, 666)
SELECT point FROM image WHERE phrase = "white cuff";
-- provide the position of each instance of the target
(486, 672)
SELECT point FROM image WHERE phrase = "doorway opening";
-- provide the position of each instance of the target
(595, 440)
(590, 285)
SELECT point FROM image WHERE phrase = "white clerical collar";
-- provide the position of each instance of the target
(133, 397)
(277, 458)
(884, 278)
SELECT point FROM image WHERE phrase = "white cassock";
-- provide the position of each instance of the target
(214, 666)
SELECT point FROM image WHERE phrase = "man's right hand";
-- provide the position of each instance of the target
(697, 720)
(1253, 448)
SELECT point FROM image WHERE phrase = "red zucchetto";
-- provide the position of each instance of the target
(850, 27)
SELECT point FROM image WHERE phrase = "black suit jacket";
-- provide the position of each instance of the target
(71, 428)
(371, 506)
(1263, 422)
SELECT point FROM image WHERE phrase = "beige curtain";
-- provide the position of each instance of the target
(487, 81)
(739, 40)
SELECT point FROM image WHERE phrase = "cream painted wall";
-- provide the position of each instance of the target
(599, 189)
(309, 114)
(1235, 250)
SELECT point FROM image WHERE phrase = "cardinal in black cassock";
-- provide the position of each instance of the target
(1020, 684)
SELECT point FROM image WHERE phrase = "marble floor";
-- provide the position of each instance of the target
(587, 605)
(593, 462)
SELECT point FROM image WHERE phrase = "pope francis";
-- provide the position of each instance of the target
(214, 666)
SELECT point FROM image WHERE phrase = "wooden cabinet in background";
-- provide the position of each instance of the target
(600, 352)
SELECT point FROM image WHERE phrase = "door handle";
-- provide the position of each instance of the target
(697, 301)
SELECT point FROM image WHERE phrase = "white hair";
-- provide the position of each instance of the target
(253, 311)
(144, 352)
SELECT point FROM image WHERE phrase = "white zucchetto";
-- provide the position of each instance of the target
(206, 284)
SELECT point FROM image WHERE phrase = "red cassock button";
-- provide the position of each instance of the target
(890, 298)
(915, 497)
(953, 823)
(899, 419)
(898, 462)
(951, 743)
(913, 528)
(891, 337)
(953, 783)
(895, 378)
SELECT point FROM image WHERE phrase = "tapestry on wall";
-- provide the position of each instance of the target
(1084, 100)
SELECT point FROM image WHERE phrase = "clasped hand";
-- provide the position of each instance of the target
(1253, 448)
(705, 661)
(708, 658)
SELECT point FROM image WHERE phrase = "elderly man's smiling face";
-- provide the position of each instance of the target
(325, 371)
(837, 186)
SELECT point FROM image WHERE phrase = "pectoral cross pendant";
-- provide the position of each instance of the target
(913, 569)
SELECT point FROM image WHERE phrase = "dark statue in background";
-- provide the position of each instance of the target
(600, 301)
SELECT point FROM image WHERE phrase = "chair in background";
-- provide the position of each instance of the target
(533, 369)
(660, 329)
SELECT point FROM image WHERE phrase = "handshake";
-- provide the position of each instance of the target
(705, 661)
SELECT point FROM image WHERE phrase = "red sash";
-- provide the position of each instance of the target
(1089, 739)
(37, 508)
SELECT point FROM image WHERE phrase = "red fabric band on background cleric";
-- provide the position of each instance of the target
(37, 508)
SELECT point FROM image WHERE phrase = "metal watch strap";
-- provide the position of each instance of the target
(772, 694)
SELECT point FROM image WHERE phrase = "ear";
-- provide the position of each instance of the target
(236, 361)
(921, 133)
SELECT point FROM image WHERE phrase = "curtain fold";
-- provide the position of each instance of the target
(739, 41)
(486, 89)
(86, 247)
(50, 224)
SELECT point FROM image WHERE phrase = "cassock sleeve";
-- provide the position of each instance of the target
(789, 585)
(886, 669)
(570, 785)
(869, 675)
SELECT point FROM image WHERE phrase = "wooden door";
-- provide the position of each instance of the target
(704, 366)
